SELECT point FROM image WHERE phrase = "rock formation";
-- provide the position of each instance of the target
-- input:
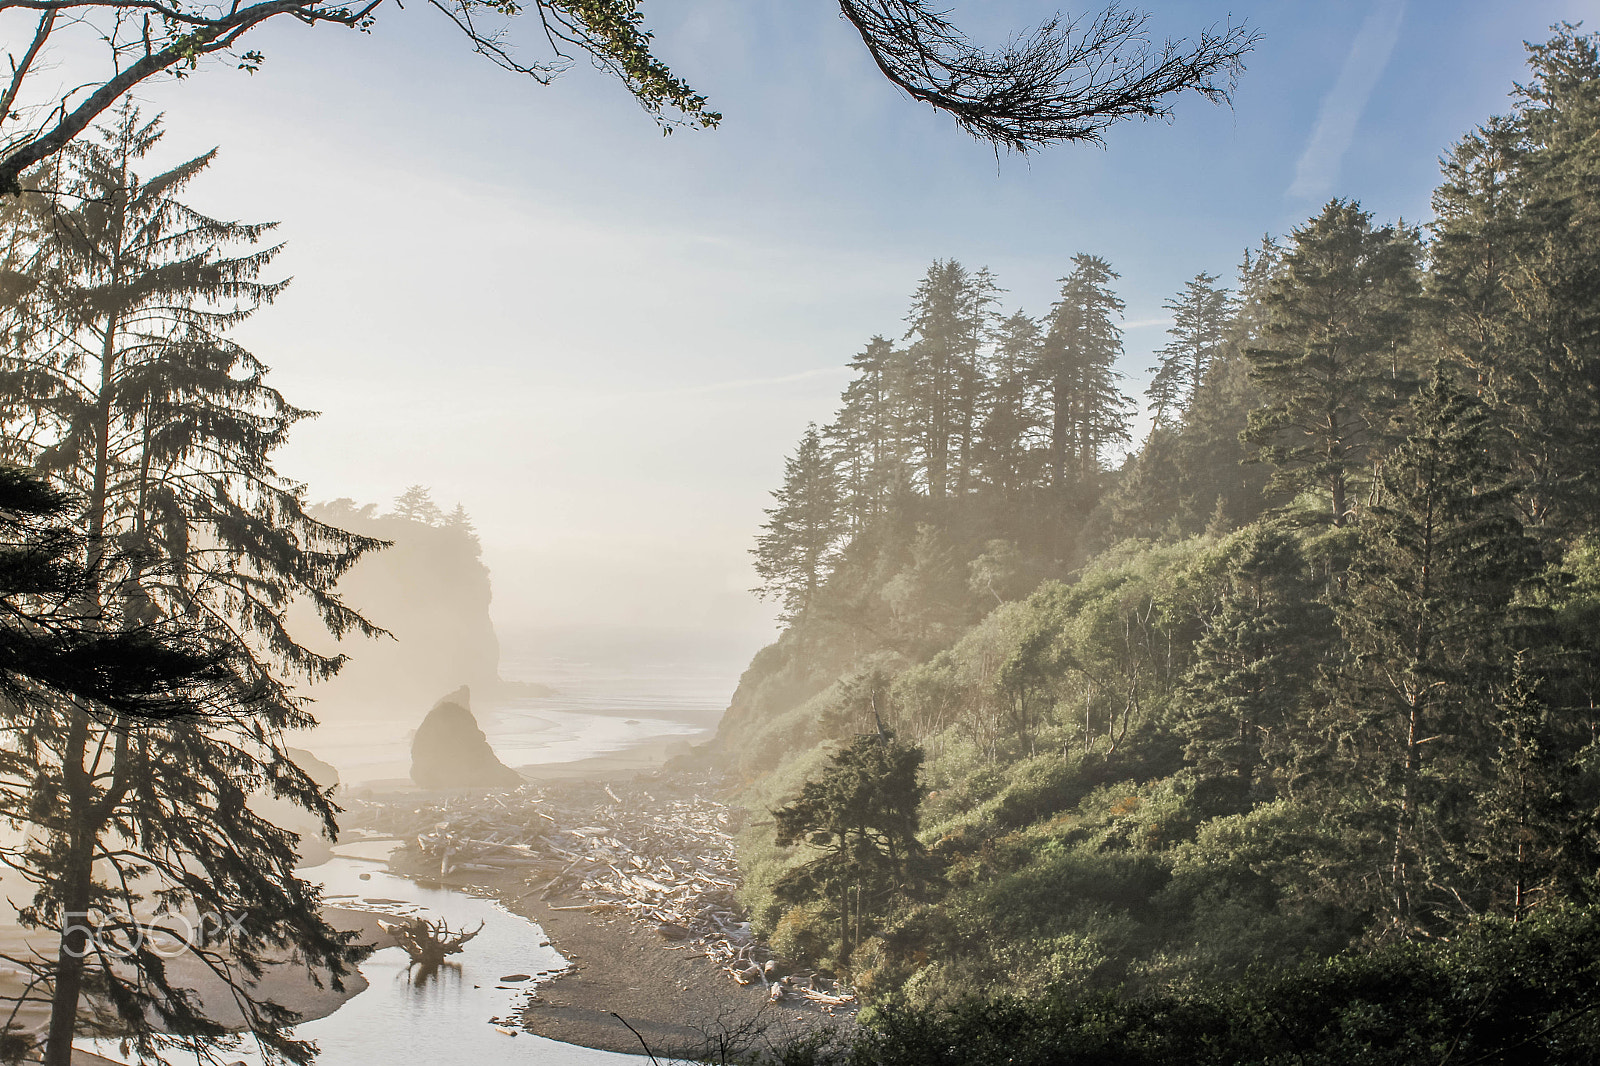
(450, 751)
(322, 773)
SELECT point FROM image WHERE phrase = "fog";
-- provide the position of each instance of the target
(601, 342)
(832, 588)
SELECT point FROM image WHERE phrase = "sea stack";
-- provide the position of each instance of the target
(450, 751)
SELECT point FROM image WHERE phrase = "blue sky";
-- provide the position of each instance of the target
(602, 341)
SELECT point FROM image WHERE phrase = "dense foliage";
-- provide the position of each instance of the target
(1309, 675)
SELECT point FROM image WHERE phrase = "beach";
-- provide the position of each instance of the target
(677, 1000)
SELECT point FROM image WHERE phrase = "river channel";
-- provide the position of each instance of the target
(448, 1019)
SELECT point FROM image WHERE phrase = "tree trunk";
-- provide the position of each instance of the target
(1406, 820)
(76, 879)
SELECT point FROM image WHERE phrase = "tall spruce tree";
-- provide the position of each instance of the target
(119, 382)
(803, 533)
(1428, 626)
(1077, 371)
(51, 649)
(1330, 362)
(947, 327)
(869, 436)
(1255, 665)
(1007, 453)
(1516, 276)
(1200, 319)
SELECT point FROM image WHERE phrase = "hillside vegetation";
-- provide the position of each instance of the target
(1311, 673)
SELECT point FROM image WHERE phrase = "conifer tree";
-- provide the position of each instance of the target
(861, 814)
(1427, 625)
(948, 322)
(119, 382)
(869, 438)
(1007, 456)
(1329, 365)
(50, 649)
(1256, 663)
(1077, 371)
(1516, 272)
(416, 505)
(800, 546)
(1200, 322)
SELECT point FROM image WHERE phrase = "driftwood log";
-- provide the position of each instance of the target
(657, 850)
(428, 943)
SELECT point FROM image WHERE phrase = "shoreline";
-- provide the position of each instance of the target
(677, 999)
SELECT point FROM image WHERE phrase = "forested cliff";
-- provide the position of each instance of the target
(429, 589)
(1313, 668)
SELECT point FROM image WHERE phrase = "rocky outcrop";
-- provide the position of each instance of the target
(450, 751)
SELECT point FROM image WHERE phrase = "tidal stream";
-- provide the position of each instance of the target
(448, 1018)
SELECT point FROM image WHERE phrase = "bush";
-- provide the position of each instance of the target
(1504, 994)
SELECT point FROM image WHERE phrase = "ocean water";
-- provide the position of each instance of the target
(596, 709)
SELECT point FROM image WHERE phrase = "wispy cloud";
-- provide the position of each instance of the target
(1318, 167)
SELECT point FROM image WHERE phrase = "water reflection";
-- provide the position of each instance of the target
(427, 974)
(443, 1018)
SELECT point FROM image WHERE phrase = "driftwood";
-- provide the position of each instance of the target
(428, 943)
(662, 857)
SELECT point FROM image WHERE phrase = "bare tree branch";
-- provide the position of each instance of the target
(1055, 84)
(1067, 80)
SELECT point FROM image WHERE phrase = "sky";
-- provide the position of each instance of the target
(602, 342)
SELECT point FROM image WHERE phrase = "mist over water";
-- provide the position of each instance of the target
(608, 693)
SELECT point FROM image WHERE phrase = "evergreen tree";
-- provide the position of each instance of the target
(862, 815)
(1200, 321)
(800, 546)
(1007, 458)
(1077, 371)
(1516, 273)
(1527, 808)
(869, 436)
(948, 320)
(1190, 476)
(1256, 663)
(416, 505)
(1330, 365)
(119, 382)
(50, 649)
(1427, 624)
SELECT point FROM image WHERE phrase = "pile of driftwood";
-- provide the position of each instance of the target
(655, 850)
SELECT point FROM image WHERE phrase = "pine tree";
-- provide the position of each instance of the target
(120, 383)
(801, 543)
(416, 505)
(1526, 809)
(50, 649)
(869, 438)
(1329, 365)
(1077, 372)
(1427, 624)
(1200, 322)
